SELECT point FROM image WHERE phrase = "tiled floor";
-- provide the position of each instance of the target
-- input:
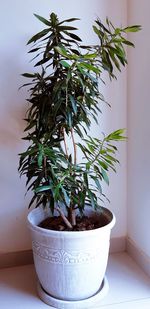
(129, 287)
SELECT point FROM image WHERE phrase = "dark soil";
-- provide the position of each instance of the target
(83, 223)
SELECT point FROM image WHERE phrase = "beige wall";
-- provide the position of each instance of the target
(139, 128)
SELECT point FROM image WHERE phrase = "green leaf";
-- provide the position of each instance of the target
(56, 191)
(44, 60)
(32, 201)
(43, 20)
(96, 30)
(134, 28)
(90, 67)
(78, 130)
(103, 164)
(117, 31)
(62, 28)
(42, 188)
(69, 119)
(83, 149)
(98, 22)
(86, 179)
(66, 197)
(74, 105)
(34, 50)
(24, 85)
(97, 182)
(105, 176)
(128, 43)
(115, 61)
(88, 165)
(30, 126)
(73, 36)
(65, 64)
(29, 75)
(62, 51)
(68, 20)
(54, 19)
(40, 155)
(90, 56)
(116, 135)
(91, 147)
(112, 159)
(38, 36)
(107, 65)
(91, 197)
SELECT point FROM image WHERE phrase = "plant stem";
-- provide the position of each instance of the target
(72, 209)
(72, 215)
(74, 146)
(73, 219)
(66, 221)
(65, 144)
(45, 169)
(66, 94)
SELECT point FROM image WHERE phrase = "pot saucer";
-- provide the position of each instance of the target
(79, 304)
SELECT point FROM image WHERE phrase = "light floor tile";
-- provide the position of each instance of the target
(139, 304)
(18, 289)
(126, 280)
(129, 287)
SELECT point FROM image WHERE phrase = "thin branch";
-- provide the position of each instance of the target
(45, 169)
(74, 147)
(73, 217)
(66, 221)
(66, 93)
(65, 144)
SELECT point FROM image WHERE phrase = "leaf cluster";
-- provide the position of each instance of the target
(64, 99)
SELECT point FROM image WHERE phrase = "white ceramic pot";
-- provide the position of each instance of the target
(70, 265)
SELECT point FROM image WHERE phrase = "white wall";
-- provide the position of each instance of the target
(18, 24)
(139, 128)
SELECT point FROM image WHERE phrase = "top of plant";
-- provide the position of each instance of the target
(64, 98)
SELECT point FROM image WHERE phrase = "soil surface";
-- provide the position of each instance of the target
(83, 223)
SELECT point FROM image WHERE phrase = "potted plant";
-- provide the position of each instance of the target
(70, 230)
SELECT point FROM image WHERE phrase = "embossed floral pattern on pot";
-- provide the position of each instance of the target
(62, 256)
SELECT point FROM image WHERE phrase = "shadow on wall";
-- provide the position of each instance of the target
(12, 104)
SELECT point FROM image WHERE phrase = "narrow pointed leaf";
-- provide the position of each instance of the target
(68, 20)
(66, 197)
(65, 64)
(134, 28)
(43, 188)
(28, 75)
(43, 20)
(38, 36)
(73, 36)
(74, 105)
(62, 28)
(105, 176)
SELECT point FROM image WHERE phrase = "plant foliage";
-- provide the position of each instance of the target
(64, 99)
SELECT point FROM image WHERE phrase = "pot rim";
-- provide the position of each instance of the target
(35, 227)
